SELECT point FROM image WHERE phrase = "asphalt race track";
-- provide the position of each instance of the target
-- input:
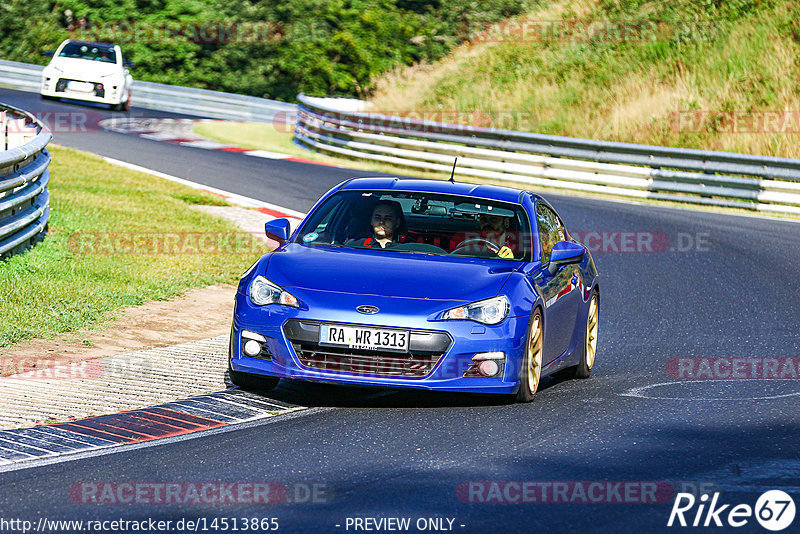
(680, 289)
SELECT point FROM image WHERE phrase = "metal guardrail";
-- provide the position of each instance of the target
(24, 174)
(728, 179)
(164, 97)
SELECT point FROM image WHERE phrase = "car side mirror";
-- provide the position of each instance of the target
(565, 253)
(278, 229)
(128, 63)
(48, 53)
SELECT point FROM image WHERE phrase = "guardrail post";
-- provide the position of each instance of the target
(3, 138)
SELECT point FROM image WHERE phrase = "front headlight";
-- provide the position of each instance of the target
(489, 311)
(263, 292)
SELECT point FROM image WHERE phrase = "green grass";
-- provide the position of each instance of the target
(77, 278)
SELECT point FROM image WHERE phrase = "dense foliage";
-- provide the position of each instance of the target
(270, 48)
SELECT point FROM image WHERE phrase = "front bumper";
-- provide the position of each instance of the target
(282, 358)
(56, 88)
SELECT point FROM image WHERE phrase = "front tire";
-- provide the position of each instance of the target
(531, 369)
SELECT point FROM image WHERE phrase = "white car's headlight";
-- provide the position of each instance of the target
(489, 311)
(263, 292)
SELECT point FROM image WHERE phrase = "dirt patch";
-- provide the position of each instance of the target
(199, 314)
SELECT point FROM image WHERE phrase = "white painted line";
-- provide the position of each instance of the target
(642, 392)
(267, 154)
(232, 197)
(212, 145)
(158, 136)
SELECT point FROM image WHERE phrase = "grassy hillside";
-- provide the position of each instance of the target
(721, 75)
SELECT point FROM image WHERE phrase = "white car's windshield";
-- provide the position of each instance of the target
(424, 223)
(89, 51)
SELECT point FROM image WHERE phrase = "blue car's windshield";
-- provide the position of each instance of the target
(423, 223)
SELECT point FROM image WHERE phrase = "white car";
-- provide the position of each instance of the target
(94, 72)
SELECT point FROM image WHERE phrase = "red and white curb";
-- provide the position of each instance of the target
(271, 210)
(179, 132)
(195, 414)
(97, 403)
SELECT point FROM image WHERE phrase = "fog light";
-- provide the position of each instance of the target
(486, 364)
(252, 347)
(488, 368)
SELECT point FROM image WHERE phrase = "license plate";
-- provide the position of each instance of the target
(80, 87)
(357, 337)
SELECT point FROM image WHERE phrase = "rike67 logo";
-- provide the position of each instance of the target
(774, 510)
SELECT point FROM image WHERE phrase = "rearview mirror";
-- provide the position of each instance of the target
(128, 63)
(565, 253)
(48, 53)
(277, 229)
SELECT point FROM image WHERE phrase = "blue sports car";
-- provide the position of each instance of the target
(419, 284)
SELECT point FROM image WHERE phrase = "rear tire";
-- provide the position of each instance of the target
(584, 367)
(530, 372)
(252, 382)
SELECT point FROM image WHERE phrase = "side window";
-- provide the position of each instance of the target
(551, 230)
(545, 221)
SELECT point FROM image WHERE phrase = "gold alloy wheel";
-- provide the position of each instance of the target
(591, 332)
(535, 355)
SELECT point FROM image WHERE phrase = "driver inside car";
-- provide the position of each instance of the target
(386, 221)
(493, 239)
(494, 228)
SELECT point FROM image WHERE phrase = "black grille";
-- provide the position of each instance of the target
(344, 360)
(426, 349)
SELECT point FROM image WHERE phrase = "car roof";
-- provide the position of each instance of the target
(489, 192)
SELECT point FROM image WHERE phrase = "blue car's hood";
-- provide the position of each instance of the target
(390, 274)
